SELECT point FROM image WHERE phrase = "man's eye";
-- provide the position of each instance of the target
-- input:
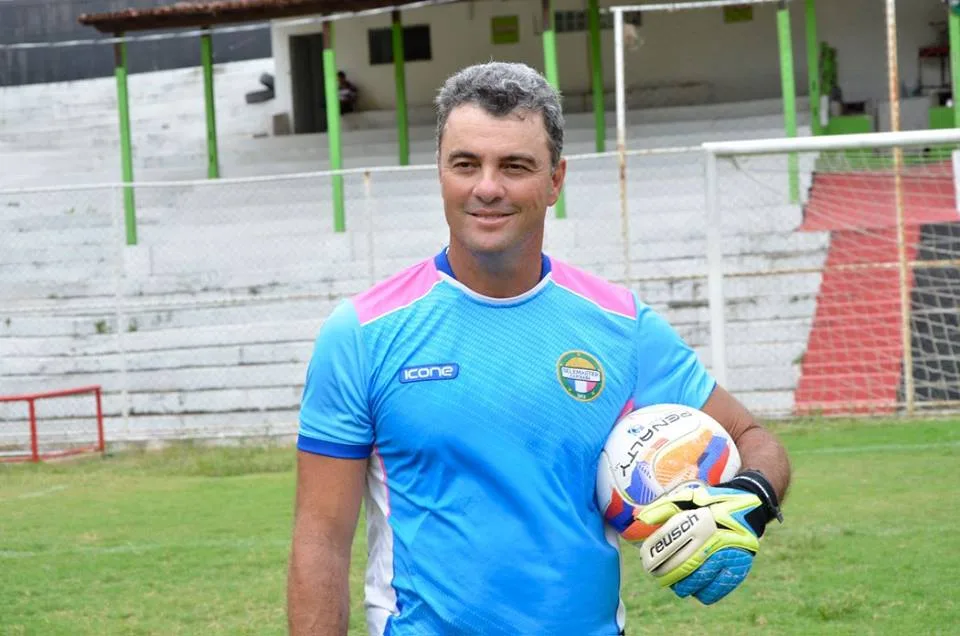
(462, 164)
(516, 167)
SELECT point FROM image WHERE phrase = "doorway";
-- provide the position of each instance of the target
(306, 77)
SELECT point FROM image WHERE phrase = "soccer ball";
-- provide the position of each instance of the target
(651, 450)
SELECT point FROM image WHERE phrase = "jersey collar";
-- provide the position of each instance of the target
(446, 273)
(443, 264)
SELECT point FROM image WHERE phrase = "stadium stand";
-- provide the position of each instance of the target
(229, 283)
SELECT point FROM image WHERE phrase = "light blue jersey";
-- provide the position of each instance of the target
(483, 420)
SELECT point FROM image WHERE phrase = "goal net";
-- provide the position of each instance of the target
(848, 302)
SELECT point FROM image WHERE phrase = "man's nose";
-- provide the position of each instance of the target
(490, 187)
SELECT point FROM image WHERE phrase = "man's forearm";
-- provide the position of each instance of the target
(318, 592)
(760, 450)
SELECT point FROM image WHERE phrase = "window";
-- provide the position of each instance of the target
(416, 44)
(569, 21)
(574, 21)
(738, 13)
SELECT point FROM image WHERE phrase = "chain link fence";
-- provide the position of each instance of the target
(203, 328)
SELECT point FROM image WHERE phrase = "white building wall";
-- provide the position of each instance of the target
(857, 28)
(730, 62)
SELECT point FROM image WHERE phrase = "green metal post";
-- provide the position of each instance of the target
(789, 88)
(596, 72)
(126, 147)
(332, 96)
(206, 58)
(400, 78)
(549, 45)
(813, 67)
(954, 27)
(552, 75)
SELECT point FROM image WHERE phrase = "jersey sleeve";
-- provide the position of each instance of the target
(334, 414)
(669, 371)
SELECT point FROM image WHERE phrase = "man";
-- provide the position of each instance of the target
(437, 393)
(347, 92)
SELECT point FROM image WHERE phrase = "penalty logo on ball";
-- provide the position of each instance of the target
(580, 375)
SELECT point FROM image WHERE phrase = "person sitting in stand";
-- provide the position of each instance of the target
(348, 93)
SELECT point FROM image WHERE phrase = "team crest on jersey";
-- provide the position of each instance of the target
(580, 375)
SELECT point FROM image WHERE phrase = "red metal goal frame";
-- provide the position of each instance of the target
(31, 398)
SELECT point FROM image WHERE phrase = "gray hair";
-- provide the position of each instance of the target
(501, 88)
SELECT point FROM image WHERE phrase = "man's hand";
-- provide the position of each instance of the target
(703, 538)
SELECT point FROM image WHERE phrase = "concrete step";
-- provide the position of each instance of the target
(741, 309)
(182, 117)
(184, 137)
(158, 428)
(51, 295)
(298, 351)
(197, 263)
(407, 203)
(156, 131)
(183, 277)
(160, 341)
(18, 255)
(251, 377)
(284, 243)
(167, 125)
(170, 148)
(101, 92)
(151, 169)
(771, 331)
(159, 318)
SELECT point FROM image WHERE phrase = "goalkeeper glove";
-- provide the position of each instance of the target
(702, 539)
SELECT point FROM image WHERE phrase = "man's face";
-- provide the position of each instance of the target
(496, 180)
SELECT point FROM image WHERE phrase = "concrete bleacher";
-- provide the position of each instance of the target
(205, 327)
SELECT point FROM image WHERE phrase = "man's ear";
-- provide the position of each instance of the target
(557, 179)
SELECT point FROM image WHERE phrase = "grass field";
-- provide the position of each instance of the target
(195, 540)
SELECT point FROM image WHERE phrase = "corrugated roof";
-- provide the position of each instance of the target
(204, 13)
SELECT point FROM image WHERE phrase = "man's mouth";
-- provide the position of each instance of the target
(489, 214)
